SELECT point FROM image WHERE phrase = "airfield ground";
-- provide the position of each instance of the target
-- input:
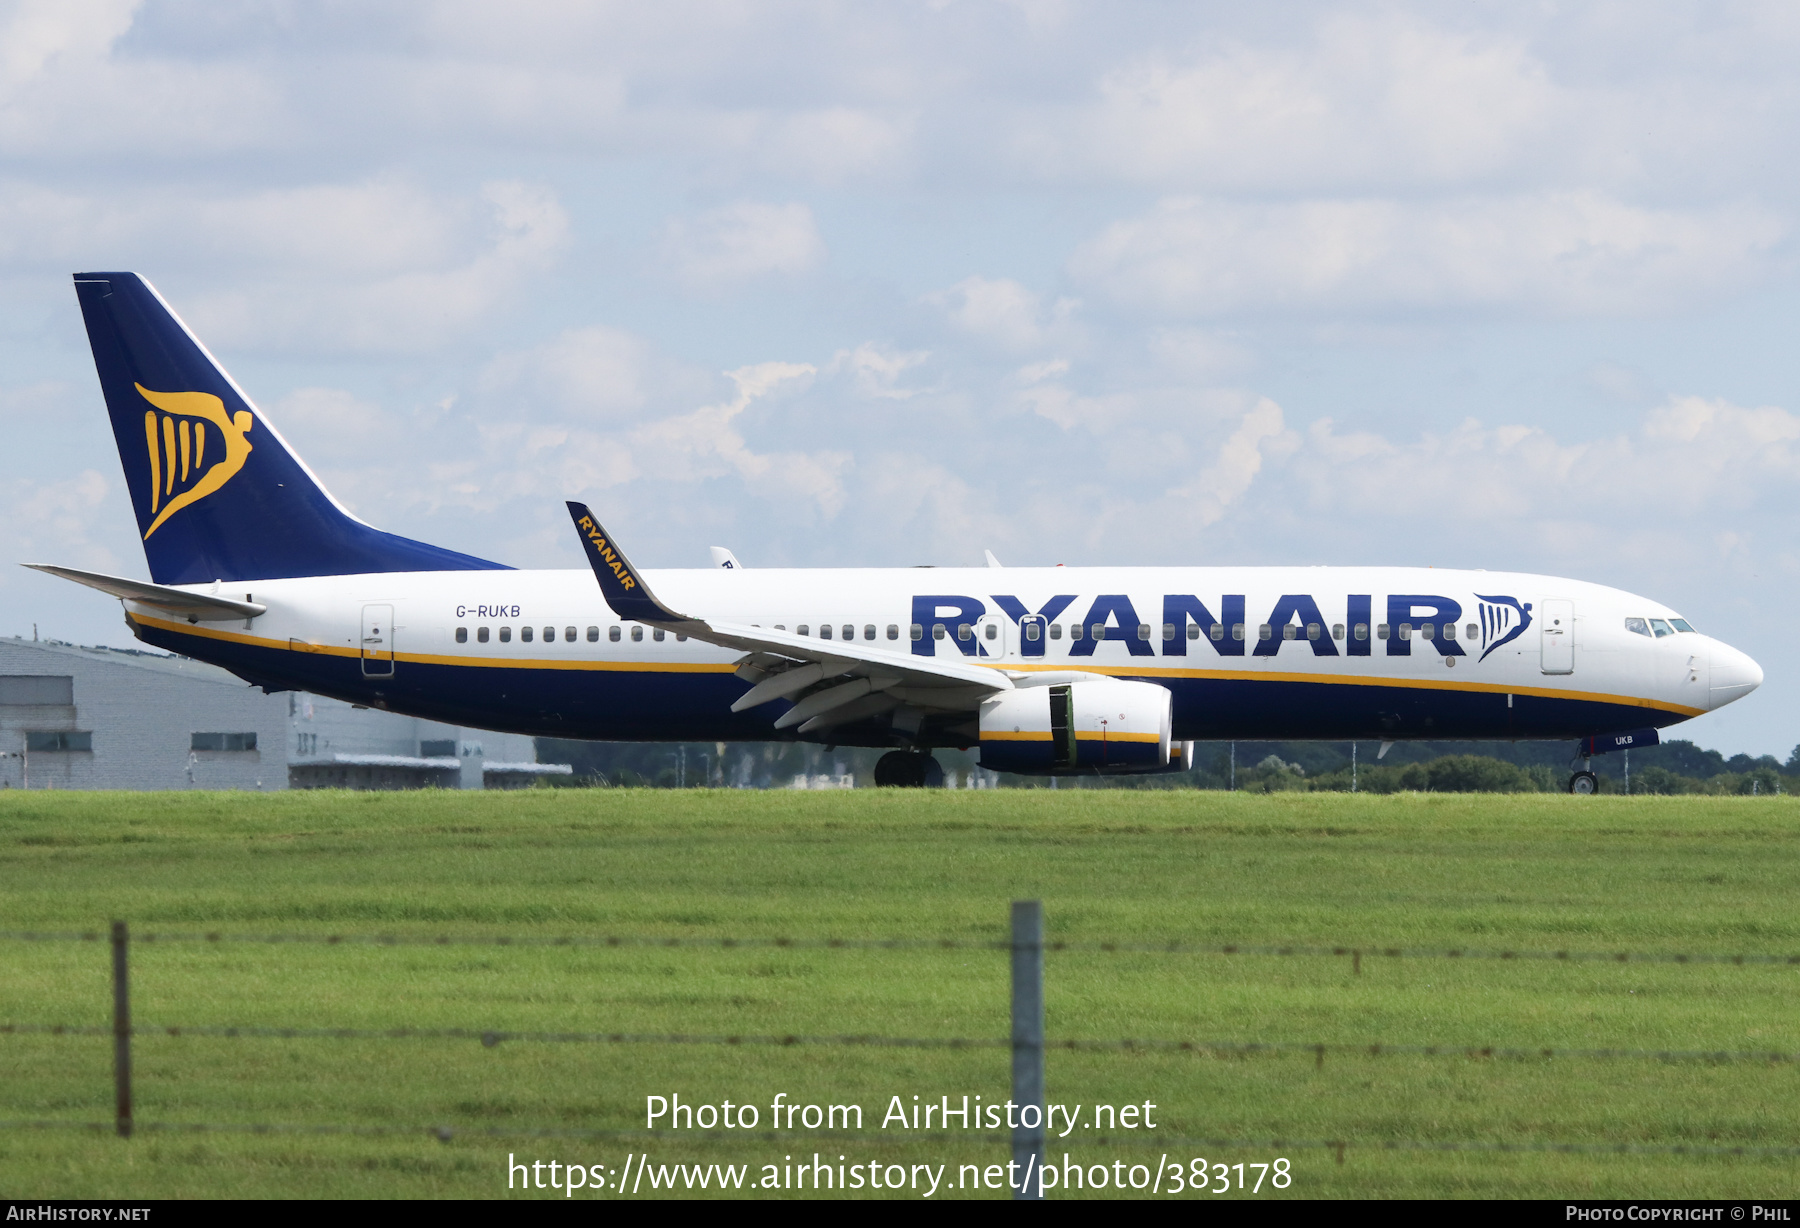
(1528, 872)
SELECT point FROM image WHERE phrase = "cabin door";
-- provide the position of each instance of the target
(378, 641)
(1556, 628)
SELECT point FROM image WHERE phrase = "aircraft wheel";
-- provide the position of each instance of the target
(1584, 782)
(905, 769)
(898, 769)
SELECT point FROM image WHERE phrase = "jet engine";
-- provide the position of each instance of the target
(1092, 725)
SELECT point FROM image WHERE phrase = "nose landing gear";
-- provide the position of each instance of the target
(1583, 781)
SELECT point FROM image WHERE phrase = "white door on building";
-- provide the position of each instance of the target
(378, 641)
(1556, 629)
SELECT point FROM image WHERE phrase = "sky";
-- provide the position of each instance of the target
(1508, 286)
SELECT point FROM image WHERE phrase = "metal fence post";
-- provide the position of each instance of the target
(121, 1031)
(1028, 1046)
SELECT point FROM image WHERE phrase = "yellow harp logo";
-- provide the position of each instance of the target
(177, 439)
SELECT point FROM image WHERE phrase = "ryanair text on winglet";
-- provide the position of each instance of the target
(606, 552)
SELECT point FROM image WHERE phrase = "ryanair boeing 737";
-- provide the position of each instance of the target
(255, 567)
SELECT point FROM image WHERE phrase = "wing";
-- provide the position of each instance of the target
(857, 682)
(195, 607)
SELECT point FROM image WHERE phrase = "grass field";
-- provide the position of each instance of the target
(1534, 872)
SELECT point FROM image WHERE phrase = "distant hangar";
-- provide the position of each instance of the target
(74, 717)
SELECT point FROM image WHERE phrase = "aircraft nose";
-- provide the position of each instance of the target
(1734, 675)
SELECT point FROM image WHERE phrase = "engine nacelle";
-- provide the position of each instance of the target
(1095, 725)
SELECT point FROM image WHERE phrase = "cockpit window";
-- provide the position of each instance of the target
(1637, 626)
(1680, 624)
(1661, 628)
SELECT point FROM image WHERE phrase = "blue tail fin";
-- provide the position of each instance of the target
(218, 493)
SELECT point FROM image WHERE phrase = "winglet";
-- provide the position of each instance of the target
(620, 583)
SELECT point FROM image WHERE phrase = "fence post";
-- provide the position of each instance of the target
(1028, 1045)
(121, 1031)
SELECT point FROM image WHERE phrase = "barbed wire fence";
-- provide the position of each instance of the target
(1027, 1043)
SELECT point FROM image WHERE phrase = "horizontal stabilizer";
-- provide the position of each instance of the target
(195, 607)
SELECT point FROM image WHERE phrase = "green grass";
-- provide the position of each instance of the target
(1536, 872)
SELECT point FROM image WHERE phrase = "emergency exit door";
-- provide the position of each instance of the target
(1556, 630)
(378, 641)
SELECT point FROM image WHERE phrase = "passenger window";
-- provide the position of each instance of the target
(524, 635)
(462, 635)
(1381, 631)
(612, 634)
(937, 631)
(1056, 631)
(1312, 631)
(637, 635)
(593, 635)
(1033, 632)
(681, 639)
(1237, 631)
(1265, 632)
(1428, 631)
(869, 632)
(1168, 631)
(550, 634)
(1075, 631)
(893, 631)
(1337, 631)
(1193, 630)
(1680, 624)
(964, 632)
(1449, 631)
(1288, 631)
(824, 631)
(1362, 631)
(657, 635)
(780, 626)
(849, 632)
(505, 635)
(915, 632)
(1097, 631)
(1471, 631)
(802, 629)
(1637, 626)
(1218, 631)
(993, 631)
(481, 635)
(1406, 631)
(1144, 631)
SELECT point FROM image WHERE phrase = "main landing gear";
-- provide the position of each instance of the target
(1584, 781)
(907, 769)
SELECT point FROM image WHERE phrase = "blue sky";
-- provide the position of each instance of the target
(1503, 286)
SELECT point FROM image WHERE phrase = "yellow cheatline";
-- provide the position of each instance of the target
(1110, 736)
(184, 628)
(234, 429)
(1007, 736)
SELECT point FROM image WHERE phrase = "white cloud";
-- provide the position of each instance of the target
(1005, 314)
(1210, 495)
(1569, 252)
(56, 519)
(582, 374)
(877, 372)
(734, 243)
(708, 443)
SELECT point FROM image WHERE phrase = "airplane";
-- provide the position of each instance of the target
(1048, 671)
